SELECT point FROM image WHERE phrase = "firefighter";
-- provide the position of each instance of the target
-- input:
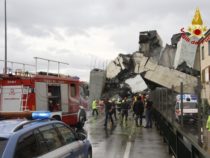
(118, 104)
(148, 107)
(124, 110)
(138, 109)
(53, 106)
(133, 102)
(114, 108)
(108, 112)
(94, 107)
(208, 133)
(208, 123)
(50, 105)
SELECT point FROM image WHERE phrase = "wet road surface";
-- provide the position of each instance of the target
(124, 141)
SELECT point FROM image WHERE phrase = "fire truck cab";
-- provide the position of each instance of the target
(43, 92)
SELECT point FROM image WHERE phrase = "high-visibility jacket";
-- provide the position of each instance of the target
(94, 105)
(208, 123)
(135, 98)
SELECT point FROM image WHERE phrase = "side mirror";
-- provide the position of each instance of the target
(81, 136)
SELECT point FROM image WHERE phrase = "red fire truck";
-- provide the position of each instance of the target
(22, 93)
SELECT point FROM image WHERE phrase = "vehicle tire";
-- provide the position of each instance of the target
(89, 153)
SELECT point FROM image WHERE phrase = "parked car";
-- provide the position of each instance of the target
(42, 138)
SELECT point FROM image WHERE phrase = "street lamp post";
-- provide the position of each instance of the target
(5, 22)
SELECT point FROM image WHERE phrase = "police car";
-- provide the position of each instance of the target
(190, 107)
(41, 138)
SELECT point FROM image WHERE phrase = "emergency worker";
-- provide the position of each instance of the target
(94, 107)
(114, 109)
(138, 109)
(54, 106)
(124, 110)
(208, 133)
(208, 123)
(108, 112)
(118, 105)
(134, 100)
(149, 104)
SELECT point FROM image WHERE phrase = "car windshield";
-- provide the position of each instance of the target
(189, 105)
(3, 142)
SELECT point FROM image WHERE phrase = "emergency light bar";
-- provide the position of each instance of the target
(41, 115)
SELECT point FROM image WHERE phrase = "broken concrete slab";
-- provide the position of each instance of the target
(169, 77)
(188, 70)
(150, 43)
(185, 52)
(137, 84)
(151, 64)
(112, 70)
(175, 39)
(119, 64)
(167, 56)
(139, 62)
(142, 63)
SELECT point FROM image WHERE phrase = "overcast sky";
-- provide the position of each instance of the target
(88, 33)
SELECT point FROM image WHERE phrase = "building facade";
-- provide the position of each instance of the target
(204, 50)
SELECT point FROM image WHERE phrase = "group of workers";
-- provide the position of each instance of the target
(140, 105)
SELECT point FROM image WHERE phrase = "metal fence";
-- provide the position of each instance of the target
(186, 138)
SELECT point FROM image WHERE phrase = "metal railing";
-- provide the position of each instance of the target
(180, 144)
(185, 138)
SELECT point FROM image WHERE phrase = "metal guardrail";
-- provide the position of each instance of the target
(179, 143)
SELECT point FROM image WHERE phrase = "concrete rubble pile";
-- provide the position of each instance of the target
(153, 65)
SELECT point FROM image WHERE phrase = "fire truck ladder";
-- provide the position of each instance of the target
(24, 99)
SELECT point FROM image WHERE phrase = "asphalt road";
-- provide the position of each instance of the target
(124, 141)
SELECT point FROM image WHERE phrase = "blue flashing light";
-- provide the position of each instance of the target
(41, 115)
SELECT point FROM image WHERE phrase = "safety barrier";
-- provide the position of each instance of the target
(180, 144)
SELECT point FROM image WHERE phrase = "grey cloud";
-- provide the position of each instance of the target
(123, 18)
(80, 14)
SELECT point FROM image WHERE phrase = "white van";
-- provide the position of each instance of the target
(190, 107)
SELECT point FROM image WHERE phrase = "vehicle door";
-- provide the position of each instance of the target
(61, 142)
(70, 141)
(27, 146)
(54, 144)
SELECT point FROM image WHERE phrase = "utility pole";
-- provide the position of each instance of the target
(181, 97)
(200, 113)
(5, 22)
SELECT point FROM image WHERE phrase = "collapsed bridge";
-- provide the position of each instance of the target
(151, 66)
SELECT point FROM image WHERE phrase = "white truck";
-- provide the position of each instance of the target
(190, 107)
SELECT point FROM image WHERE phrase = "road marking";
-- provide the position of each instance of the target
(128, 146)
(127, 150)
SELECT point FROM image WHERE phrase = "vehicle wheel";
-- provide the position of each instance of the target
(89, 154)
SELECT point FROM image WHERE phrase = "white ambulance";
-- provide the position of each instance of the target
(190, 107)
